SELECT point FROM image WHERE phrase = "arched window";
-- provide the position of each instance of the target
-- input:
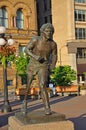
(3, 17)
(19, 19)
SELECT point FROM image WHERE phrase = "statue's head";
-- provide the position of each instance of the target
(47, 26)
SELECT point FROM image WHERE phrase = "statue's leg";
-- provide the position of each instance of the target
(24, 104)
(43, 76)
(29, 81)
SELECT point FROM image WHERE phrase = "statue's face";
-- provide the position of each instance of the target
(48, 33)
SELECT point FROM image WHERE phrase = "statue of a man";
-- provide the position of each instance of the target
(43, 56)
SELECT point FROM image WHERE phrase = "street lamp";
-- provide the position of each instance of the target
(5, 51)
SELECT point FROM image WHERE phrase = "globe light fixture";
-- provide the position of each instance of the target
(2, 41)
(10, 42)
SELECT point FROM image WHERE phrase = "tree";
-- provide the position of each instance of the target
(21, 63)
(63, 75)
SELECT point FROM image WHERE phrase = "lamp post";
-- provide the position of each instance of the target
(5, 51)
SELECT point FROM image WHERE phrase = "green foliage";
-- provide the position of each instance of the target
(4, 60)
(21, 63)
(11, 57)
(63, 75)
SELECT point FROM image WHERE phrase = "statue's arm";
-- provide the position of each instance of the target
(29, 50)
(54, 57)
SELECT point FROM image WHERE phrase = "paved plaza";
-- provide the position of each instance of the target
(74, 107)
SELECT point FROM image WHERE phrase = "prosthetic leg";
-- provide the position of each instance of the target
(24, 103)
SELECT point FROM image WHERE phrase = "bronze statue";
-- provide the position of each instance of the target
(43, 56)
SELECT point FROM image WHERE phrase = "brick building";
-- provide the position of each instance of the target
(20, 19)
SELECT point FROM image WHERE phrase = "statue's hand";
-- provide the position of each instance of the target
(41, 60)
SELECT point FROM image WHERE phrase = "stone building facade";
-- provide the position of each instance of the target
(20, 19)
(69, 20)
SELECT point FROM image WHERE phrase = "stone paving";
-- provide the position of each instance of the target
(74, 107)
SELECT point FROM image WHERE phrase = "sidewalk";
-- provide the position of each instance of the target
(74, 107)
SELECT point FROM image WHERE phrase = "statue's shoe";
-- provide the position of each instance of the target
(48, 111)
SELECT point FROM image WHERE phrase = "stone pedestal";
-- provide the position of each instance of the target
(37, 120)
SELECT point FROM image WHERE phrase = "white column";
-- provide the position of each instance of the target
(80, 78)
(73, 63)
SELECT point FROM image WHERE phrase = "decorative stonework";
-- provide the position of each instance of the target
(21, 37)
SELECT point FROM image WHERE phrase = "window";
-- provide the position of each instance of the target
(20, 19)
(9, 82)
(3, 17)
(80, 1)
(80, 15)
(21, 49)
(80, 33)
(81, 52)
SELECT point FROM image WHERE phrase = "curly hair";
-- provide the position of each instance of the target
(47, 25)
